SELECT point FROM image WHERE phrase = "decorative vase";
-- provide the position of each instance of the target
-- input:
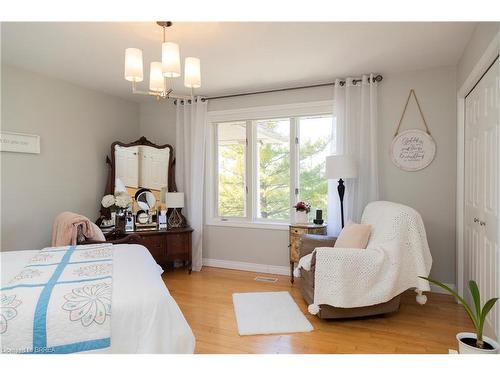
(301, 217)
(120, 221)
(464, 348)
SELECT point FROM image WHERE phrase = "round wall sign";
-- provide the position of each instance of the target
(413, 150)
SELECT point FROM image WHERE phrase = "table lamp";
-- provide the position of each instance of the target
(341, 167)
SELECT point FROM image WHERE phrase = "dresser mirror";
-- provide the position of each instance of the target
(141, 166)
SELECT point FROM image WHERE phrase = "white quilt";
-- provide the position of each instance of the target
(59, 302)
(396, 254)
(145, 317)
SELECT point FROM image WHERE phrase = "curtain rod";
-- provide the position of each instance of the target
(376, 78)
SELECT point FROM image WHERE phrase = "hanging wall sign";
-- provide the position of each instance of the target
(414, 149)
(19, 142)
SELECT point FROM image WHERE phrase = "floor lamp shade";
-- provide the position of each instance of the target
(341, 166)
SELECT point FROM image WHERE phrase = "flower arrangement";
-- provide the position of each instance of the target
(302, 206)
(117, 202)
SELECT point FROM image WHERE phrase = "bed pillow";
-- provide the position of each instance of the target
(354, 236)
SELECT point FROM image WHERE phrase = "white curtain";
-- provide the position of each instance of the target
(190, 167)
(355, 116)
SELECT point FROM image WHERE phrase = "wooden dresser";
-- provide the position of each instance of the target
(165, 245)
(295, 231)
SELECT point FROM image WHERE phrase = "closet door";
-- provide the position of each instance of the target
(482, 168)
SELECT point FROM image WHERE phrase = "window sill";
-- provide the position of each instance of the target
(248, 224)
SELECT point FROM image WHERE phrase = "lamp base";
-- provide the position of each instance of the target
(176, 219)
(341, 191)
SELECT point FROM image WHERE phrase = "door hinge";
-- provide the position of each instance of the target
(296, 140)
(296, 191)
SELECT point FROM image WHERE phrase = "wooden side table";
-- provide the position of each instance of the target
(295, 231)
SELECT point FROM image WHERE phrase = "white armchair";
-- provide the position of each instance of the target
(349, 279)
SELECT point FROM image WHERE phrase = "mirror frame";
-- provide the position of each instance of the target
(143, 141)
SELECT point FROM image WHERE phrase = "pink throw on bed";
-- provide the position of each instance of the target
(65, 229)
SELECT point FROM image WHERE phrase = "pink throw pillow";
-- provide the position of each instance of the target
(354, 236)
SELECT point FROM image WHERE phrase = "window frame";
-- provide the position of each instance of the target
(250, 116)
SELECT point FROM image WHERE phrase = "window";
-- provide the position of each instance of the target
(264, 164)
(273, 169)
(315, 144)
(231, 153)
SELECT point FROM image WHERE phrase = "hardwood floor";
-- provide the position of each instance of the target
(205, 298)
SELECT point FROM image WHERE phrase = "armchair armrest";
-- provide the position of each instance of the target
(308, 242)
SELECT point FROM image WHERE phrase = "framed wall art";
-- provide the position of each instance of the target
(19, 142)
(414, 149)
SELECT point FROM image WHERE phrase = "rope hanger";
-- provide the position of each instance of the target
(412, 92)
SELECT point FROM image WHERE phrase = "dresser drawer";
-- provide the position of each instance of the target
(156, 246)
(179, 246)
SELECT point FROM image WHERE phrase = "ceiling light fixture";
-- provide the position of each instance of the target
(160, 73)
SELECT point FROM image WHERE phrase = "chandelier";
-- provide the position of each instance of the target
(161, 73)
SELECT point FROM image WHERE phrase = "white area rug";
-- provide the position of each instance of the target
(266, 313)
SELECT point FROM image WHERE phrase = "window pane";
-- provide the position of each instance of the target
(231, 150)
(273, 169)
(316, 136)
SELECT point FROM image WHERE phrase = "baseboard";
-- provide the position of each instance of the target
(277, 270)
(436, 289)
(244, 266)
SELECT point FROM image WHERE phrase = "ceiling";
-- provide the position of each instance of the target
(236, 56)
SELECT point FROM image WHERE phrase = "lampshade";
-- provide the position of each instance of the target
(341, 166)
(133, 65)
(192, 73)
(170, 59)
(174, 200)
(156, 77)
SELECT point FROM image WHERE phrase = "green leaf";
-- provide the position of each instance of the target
(486, 309)
(476, 297)
(475, 320)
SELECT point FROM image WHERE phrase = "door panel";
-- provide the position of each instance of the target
(482, 169)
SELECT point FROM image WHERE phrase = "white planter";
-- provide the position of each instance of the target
(301, 217)
(467, 349)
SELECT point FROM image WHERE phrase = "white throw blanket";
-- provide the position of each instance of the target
(60, 302)
(397, 253)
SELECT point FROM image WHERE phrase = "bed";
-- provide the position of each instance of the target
(145, 318)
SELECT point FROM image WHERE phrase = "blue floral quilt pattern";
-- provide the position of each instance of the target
(60, 302)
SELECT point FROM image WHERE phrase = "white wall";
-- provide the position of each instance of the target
(431, 191)
(77, 127)
(157, 121)
(480, 39)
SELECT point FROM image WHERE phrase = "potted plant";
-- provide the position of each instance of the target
(468, 342)
(301, 211)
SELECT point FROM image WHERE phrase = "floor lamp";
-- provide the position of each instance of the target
(341, 167)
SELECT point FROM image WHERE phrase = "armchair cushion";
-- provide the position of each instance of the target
(354, 236)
